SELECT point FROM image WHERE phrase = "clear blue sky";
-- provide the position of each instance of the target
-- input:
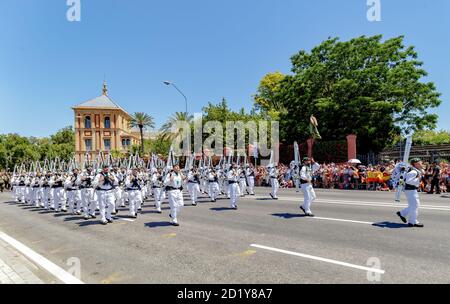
(211, 49)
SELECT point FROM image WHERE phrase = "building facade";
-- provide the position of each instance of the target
(101, 125)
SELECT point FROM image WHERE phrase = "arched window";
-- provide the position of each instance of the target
(87, 122)
(107, 123)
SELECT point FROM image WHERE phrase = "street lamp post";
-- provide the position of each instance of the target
(168, 83)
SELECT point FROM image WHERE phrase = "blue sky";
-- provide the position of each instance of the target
(211, 49)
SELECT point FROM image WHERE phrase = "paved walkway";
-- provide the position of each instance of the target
(17, 269)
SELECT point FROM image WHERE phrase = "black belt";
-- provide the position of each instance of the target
(168, 188)
(99, 189)
(72, 189)
(232, 182)
(134, 189)
(54, 187)
(410, 187)
(273, 177)
(302, 181)
(36, 186)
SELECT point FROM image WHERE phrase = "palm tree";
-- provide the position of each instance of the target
(142, 121)
(166, 128)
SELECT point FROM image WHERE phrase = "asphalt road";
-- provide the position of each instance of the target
(265, 241)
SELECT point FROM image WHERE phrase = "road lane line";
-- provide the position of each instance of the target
(307, 256)
(122, 219)
(374, 204)
(49, 266)
(340, 220)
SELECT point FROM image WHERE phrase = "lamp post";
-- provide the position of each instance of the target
(169, 83)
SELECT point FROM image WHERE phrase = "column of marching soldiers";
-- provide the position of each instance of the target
(100, 187)
(106, 184)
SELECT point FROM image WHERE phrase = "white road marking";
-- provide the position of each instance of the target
(341, 220)
(307, 256)
(49, 266)
(361, 203)
(122, 219)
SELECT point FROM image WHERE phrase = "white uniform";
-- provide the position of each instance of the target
(133, 186)
(242, 182)
(88, 196)
(37, 191)
(58, 193)
(273, 174)
(250, 173)
(193, 186)
(157, 184)
(308, 191)
(412, 182)
(233, 186)
(15, 188)
(105, 188)
(71, 185)
(173, 183)
(213, 186)
(120, 201)
(46, 191)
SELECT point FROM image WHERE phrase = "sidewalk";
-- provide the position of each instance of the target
(17, 269)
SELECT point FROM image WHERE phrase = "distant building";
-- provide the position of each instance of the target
(102, 125)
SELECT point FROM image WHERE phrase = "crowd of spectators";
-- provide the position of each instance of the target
(360, 177)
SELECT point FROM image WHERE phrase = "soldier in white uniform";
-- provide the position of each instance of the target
(412, 183)
(242, 181)
(37, 190)
(250, 173)
(173, 183)
(233, 186)
(213, 185)
(46, 190)
(87, 193)
(306, 172)
(273, 175)
(194, 184)
(72, 186)
(157, 187)
(133, 184)
(59, 196)
(105, 183)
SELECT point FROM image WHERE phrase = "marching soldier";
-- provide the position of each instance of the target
(233, 184)
(213, 185)
(37, 190)
(273, 175)
(242, 181)
(306, 172)
(46, 190)
(250, 173)
(133, 184)
(72, 186)
(412, 183)
(173, 183)
(105, 183)
(59, 196)
(157, 186)
(87, 193)
(194, 184)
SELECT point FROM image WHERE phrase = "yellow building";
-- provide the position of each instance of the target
(102, 125)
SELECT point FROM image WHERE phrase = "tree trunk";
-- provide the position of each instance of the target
(142, 140)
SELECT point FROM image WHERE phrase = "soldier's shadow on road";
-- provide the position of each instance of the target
(390, 225)
(157, 224)
(265, 199)
(221, 209)
(288, 215)
(89, 223)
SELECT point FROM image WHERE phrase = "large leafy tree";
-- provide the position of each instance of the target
(142, 121)
(364, 86)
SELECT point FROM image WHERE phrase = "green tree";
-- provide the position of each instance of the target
(166, 129)
(265, 99)
(362, 86)
(428, 137)
(142, 121)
